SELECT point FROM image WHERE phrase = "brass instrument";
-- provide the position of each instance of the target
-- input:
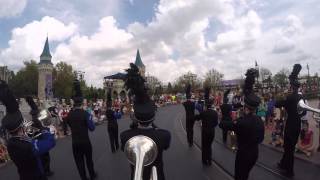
(141, 151)
(44, 117)
(316, 118)
(302, 106)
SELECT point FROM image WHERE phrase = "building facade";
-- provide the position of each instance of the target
(45, 68)
(5, 73)
(115, 82)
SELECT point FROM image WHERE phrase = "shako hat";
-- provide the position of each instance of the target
(250, 98)
(144, 108)
(13, 118)
(77, 98)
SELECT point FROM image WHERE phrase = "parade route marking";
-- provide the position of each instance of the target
(214, 163)
(259, 164)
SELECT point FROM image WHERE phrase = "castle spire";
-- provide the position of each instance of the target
(46, 49)
(138, 60)
(45, 56)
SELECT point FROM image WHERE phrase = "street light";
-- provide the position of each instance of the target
(79, 75)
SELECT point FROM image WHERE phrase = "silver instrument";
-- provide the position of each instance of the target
(302, 106)
(316, 118)
(45, 119)
(141, 151)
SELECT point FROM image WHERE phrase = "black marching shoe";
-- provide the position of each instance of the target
(284, 172)
(49, 173)
(95, 175)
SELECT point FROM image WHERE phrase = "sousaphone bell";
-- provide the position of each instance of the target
(141, 151)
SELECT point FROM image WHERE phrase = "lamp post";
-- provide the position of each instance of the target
(79, 75)
(108, 84)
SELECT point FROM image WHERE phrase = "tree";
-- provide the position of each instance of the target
(213, 79)
(153, 83)
(25, 82)
(183, 80)
(169, 88)
(63, 78)
(264, 73)
(281, 77)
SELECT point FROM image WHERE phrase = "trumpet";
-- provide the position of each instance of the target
(141, 151)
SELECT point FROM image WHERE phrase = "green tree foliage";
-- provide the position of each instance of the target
(63, 77)
(183, 80)
(213, 79)
(153, 84)
(25, 81)
(281, 78)
(169, 88)
(93, 93)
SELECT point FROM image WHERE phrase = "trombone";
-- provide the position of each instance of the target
(302, 106)
(141, 151)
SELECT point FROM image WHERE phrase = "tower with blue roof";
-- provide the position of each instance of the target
(139, 64)
(45, 68)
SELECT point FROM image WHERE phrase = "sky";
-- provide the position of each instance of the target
(101, 37)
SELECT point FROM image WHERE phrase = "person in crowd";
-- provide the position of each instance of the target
(189, 107)
(270, 111)
(64, 114)
(293, 123)
(4, 156)
(236, 100)
(218, 99)
(80, 122)
(305, 142)
(199, 105)
(277, 134)
(144, 114)
(262, 110)
(24, 152)
(249, 129)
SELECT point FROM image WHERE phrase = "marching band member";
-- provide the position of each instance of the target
(25, 152)
(112, 118)
(249, 129)
(226, 109)
(80, 122)
(293, 123)
(209, 119)
(144, 112)
(189, 106)
(45, 158)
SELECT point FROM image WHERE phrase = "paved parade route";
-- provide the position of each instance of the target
(181, 162)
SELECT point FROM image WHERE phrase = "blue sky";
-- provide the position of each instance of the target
(174, 36)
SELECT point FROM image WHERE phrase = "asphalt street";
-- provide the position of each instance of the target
(180, 161)
(265, 168)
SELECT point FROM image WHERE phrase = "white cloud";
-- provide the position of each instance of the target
(27, 42)
(176, 41)
(10, 8)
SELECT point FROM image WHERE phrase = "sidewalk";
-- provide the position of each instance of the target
(315, 157)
